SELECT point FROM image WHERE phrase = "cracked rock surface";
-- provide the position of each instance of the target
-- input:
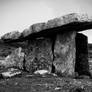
(64, 54)
(39, 55)
(83, 21)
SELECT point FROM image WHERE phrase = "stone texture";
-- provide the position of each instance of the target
(64, 54)
(12, 35)
(33, 29)
(7, 48)
(38, 50)
(42, 72)
(15, 59)
(82, 20)
(11, 72)
(26, 32)
(63, 20)
(39, 55)
(82, 65)
(38, 27)
(45, 84)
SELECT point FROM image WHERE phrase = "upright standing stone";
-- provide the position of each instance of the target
(64, 53)
(39, 55)
(82, 65)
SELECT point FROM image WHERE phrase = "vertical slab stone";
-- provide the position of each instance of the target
(82, 65)
(39, 55)
(64, 53)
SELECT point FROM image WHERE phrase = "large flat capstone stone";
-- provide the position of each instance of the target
(39, 55)
(64, 54)
(77, 22)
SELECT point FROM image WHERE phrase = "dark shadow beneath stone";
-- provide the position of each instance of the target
(77, 90)
(82, 65)
(53, 69)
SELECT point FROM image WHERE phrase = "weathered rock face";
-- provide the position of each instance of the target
(64, 53)
(78, 23)
(12, 35)
(39, 55)
(82, 65)
(11, 72)
(39, 48)
(15, 59)
(7, 48)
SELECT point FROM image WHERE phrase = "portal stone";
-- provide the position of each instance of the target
(64, 54)
(39, 56)
(82, 65)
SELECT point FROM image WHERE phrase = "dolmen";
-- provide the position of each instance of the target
(55, 46)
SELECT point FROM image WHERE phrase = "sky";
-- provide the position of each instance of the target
(20, 14)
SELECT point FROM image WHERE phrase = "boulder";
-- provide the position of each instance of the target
(39, 55)
(41, 72)
(78, 21)
(15, 59)
(26, 32)
(64, 54)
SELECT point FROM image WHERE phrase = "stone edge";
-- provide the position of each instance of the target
(56, 22)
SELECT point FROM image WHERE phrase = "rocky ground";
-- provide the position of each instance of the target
(45, 83)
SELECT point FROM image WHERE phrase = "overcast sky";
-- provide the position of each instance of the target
(20, 14)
